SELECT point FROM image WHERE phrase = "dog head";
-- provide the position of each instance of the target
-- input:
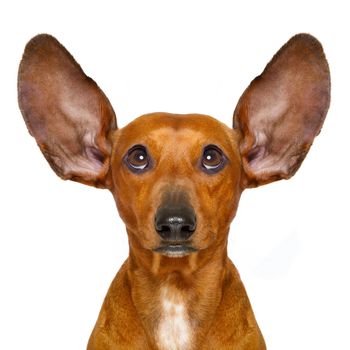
(176, 179)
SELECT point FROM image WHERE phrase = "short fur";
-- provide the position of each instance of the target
(197, 300)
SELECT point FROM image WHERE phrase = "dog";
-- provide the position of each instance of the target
(177, 181)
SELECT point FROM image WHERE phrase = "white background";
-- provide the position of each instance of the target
(61, 242)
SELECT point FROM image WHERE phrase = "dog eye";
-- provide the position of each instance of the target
(212, 159)
(137, 158)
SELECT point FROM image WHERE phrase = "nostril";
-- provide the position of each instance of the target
(185, 228)
(164, 232)
(188, 228)
(185, 232)
(163, 228)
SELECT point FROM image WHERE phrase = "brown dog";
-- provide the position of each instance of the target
(177, 180)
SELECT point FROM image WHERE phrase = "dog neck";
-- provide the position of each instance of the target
(176, 298)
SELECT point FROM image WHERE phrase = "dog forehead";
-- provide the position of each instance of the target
(167, 127)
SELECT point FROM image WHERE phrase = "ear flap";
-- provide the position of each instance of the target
(282, 110)
(66, 112)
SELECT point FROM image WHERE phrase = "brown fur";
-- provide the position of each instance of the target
(275, 121)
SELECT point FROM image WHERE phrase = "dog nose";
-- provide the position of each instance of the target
(175, 224)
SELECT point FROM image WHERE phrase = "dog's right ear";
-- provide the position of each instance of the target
(66, 112)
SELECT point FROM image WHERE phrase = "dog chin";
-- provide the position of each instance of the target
(175, 251)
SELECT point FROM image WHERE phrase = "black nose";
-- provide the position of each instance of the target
(175, 223)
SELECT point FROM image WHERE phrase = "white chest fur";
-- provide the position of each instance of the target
(174, 330)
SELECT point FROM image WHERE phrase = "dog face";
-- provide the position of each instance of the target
(171, 174)
(176, 179)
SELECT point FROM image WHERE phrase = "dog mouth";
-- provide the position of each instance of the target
(175, 250)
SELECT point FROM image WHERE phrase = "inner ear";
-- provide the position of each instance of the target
(282, 111)
(66, 112)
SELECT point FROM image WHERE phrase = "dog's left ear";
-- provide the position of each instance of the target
(67, 113)
(282, 111)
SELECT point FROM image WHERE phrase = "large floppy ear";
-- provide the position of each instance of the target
(282, 111)
(66, 112)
